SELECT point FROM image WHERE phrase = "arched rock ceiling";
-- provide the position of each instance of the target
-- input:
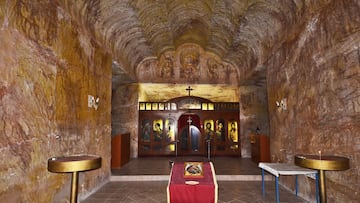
(241, 32)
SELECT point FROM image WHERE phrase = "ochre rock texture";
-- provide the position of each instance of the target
(124, 114)
(54, 53)
(253, 115)
(48, 68)
(318, 73)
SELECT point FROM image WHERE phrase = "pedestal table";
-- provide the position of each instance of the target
(322, 164)
(74, 164)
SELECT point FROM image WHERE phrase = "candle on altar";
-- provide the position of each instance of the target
(320, 154)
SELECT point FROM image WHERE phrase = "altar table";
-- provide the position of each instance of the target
(206, 191)
(278, 169)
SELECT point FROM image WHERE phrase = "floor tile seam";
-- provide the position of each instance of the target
(166, 178)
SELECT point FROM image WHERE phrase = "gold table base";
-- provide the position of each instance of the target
(322, 164)
(74, 164)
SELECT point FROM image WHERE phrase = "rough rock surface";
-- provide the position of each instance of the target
(319, 74)
(54, 53)
(48, 67)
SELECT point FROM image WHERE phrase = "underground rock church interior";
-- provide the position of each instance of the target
(114, 100)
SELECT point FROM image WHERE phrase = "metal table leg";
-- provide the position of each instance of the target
(277, 189)
(262, 182)
(296, 185)
(316, 188)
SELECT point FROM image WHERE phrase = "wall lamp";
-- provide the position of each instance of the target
(93, 102)
(281, 105)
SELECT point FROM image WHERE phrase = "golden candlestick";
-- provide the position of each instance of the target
(322, 164)
(74, 164)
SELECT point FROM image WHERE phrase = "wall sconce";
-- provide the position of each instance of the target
(92, 102)
(281, 105)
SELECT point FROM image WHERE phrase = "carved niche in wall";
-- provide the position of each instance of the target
(188, 64)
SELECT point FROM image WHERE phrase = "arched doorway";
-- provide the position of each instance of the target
(190, 137)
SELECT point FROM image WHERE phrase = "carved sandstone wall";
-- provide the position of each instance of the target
(48, 67)
(253, 114)
(125, 114)
(318, 73)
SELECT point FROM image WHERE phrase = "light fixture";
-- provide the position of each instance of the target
(281, 105)
(93, 102)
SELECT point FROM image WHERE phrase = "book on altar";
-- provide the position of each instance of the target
(193, 170)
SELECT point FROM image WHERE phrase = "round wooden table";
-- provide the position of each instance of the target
(322, 164)
(74, 164)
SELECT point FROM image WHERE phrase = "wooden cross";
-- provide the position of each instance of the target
(189, 89)
(189, 120)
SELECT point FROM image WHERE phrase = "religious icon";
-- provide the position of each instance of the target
(214, 68)
(173, 106)
(167, 67)
(189, 60)
(209, 129)
(170, 130)
(204, 106)
(148, 106)
(233, 134)
(210, 106)
(220, 131)
(146, 129)
(157, 130)
(193, 170)
(141, 106)
(161, 106)
(154, 106)
(170, 134)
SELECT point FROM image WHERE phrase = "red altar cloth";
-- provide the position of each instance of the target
(204, 192)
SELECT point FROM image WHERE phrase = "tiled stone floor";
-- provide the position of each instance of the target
(140, 191)
(160, 166)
